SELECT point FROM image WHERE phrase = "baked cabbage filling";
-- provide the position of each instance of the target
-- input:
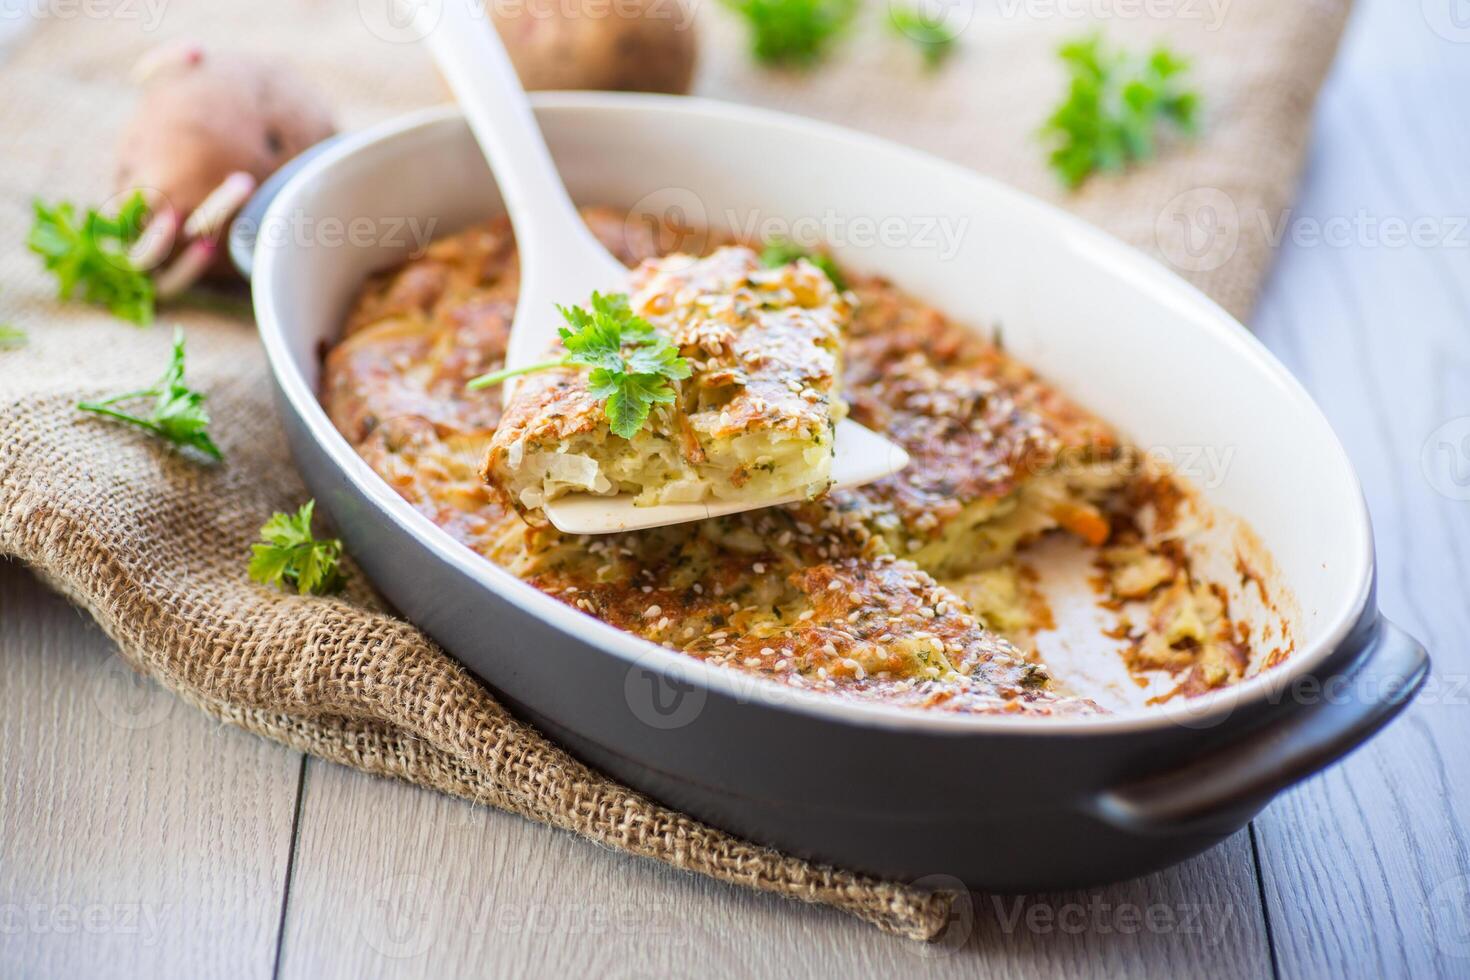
(754, 418)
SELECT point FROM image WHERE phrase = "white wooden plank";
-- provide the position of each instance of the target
(1367, 871)
(137, 837)
(390, 881)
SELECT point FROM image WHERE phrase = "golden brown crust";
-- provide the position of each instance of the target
(975, 422)
(762, 342)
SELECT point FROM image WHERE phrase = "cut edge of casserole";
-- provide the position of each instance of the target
(997, 459)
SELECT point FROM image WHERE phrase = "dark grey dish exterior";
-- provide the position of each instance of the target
(1018, 810)
(1006, 811)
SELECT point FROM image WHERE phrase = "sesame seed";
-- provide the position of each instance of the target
(652, 611)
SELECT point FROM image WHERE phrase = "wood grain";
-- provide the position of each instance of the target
(137, 837)
(1367, 869)
(390, 881)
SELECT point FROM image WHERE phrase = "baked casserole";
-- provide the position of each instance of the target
(908, 591)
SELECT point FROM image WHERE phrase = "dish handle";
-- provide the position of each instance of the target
(245, 229)
(1210, 792)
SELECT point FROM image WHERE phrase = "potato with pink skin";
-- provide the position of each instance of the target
(621, 45)
(210, 126)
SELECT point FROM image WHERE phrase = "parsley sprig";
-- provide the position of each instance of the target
(178, 414)
(11, 337)
(288, 556)
(90, 254)
(934, 38)
(794, 33)
(631, 365)
(1116, 104)
(778, 252)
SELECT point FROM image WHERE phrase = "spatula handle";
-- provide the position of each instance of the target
(560, 259)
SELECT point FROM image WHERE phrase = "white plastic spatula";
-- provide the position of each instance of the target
(561, 261)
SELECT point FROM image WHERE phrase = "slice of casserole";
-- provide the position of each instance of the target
(998, 457)
(754, 418)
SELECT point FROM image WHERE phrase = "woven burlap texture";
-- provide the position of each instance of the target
(153, 545)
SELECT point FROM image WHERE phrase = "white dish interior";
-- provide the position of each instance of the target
(1114, 330)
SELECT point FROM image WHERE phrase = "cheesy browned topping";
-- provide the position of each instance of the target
(819, 595)
(755, 416)
(763, 343)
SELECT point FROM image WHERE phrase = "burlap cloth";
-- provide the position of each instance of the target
(155, 546)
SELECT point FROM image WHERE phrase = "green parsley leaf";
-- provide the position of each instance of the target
(288, 556)
(934, 38)
(630, 364)
(795, 33)
(777, 253)
(11, 337)
(178, 414)
(1115, 106)
(91, 256)
(630, 397)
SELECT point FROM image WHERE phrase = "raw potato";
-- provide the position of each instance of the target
(627, 45)
(205, 115)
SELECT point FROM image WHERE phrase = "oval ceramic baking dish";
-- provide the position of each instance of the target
(1001, 803)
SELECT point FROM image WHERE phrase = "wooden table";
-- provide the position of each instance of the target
(138, 838)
